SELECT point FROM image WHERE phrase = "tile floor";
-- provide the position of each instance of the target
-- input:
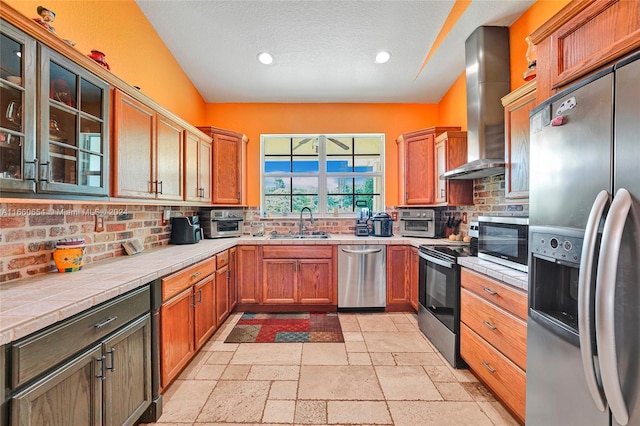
(385, 373)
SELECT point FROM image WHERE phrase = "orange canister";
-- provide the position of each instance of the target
(69, 254)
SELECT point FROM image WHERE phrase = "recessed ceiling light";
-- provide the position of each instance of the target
(383, 56)
(265, 58)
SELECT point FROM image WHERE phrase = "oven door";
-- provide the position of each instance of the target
(439, 289)
(417, 227)
(227, 225)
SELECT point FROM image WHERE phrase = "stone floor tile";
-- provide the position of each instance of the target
(276, 411)
(220, 358)
(324, 354)
(399, 318)
(453, 391)
(219, 346)
(191, 370)
(406, 383)
(478, 391)
(498, 414)
(358, 412)
(439, 373)
(274, 372)
(395, 342)
(407, 327)
(210, 372)
(382, 358)
(311, 412)
(236, 372)
(349, 322)
(359, 358)
(355, 346)
(417, 358)
(376, 322)
(186, 401)
(339, 383)
(235, 401)
(352, 336)
(283, 389)
(268, 354)
(431, 413)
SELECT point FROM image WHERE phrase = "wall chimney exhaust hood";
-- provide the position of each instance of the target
(487, 71)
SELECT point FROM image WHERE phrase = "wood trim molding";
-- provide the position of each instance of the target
(518, 93)
(560, 18)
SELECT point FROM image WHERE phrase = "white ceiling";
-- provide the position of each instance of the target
(323, 50)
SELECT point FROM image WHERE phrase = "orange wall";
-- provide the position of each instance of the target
(255, 119)
(133, 49)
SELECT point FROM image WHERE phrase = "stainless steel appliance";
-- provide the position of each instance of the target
(583, 344)
(504, 240)
(418, 222)
(222, 223)
(185, 230)
(439, 298)
(382, 225)
(474, 234)
(362, 271)
(362, 220)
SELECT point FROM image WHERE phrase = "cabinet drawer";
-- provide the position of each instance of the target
(297, 252)
(222, 259)
(503, 295)
(37, 353)
(505, 332)
(174, 284)
(502, 376)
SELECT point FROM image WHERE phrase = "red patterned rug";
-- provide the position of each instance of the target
(286, 327)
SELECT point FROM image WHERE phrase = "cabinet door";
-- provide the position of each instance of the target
(315, 281)
(233, 279)
(127, 366)
(169, 178)
(517, 147)
(204, 171)
(222, 294)
(18, 118)
(398, 272)
(279, 282)
(176, 335)
(134, 136)
(72, 395)
(413, 278)
(205, 310)
(191, 164)
(248, 275)
(441, 162)
(419, 170)
(226, 169)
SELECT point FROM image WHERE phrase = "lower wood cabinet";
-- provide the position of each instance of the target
(233, 278)
(399, 271)
(248, 275)
(493, 336)
(223, 284)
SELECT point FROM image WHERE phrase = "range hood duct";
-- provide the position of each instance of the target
(488, 75)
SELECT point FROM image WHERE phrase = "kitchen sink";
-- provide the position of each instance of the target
(313, 236)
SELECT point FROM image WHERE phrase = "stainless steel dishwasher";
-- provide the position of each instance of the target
(362, 276)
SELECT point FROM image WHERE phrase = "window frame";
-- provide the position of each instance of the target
(322, 175)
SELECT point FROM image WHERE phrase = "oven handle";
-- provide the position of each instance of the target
(226, 219)
(436, 260)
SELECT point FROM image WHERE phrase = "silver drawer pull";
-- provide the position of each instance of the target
(105, 322)
(196, 275)
(491, 292)
(491, 326)
(101, 375)
(488, 367)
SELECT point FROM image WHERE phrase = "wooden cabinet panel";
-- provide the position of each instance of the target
(451, 152)
(134, 137)
(249, 282)
(175, 283)
(205, 310)
(398, 276)
(176, 335)
(204, 169)
(504, 331)
(506, 297)
(413, 278)
(233, 280)
(297, 252)
(226, 169)
(316, 281)
(500, 374)
(197, 169)
(222, 294)
(280, 283)
(169, 153)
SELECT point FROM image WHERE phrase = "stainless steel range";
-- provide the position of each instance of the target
(439, 299)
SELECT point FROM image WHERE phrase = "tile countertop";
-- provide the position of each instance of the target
(503, 273)
(34, 303)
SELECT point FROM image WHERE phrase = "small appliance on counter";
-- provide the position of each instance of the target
(222, 223)
(382, 225)
(362, 219)
(418, 222)
(185, 230)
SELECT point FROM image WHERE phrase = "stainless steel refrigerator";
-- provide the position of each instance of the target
(583, 342)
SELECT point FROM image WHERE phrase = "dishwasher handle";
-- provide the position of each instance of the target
(369, 251)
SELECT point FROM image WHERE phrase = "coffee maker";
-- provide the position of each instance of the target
(363, 215)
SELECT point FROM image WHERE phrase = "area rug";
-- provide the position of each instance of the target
(286, 327)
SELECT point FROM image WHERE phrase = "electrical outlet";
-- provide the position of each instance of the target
(464, 217)
(99, 223)
(394, 216)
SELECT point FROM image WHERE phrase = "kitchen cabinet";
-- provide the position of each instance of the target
(450, 153)
(298, 275)
(54, 130)
(414, 276)
(197, 166)
(493, 336)
(399, 268)
(187, 316)
(86, 387)
(517, 106)
(223, 287)
(582, 37)
(233, 278)
(248, 276)
(229, 165)
(416, 167)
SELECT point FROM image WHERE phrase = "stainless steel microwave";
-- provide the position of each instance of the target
(504, 240)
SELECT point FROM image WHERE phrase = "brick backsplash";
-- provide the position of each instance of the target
(28, 232)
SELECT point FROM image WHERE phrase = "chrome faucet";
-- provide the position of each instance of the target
(310, 217)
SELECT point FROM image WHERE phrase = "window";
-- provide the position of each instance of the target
(328, 173)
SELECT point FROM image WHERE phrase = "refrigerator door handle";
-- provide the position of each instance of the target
(605, 303)
(585, 297)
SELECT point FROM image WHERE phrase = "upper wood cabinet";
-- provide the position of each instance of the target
(416, 165)
(517, 106)
(451, 152)
(229, 165)
(197, 168)
(149, 152)
(583, 36)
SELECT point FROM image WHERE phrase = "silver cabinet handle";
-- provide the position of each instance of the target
(605, 303)
(585, 299)
(105, 322)
(101, 374)
(370, 251)
(491, 292)
(488, 367)
(489, 325)
(112, 368)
